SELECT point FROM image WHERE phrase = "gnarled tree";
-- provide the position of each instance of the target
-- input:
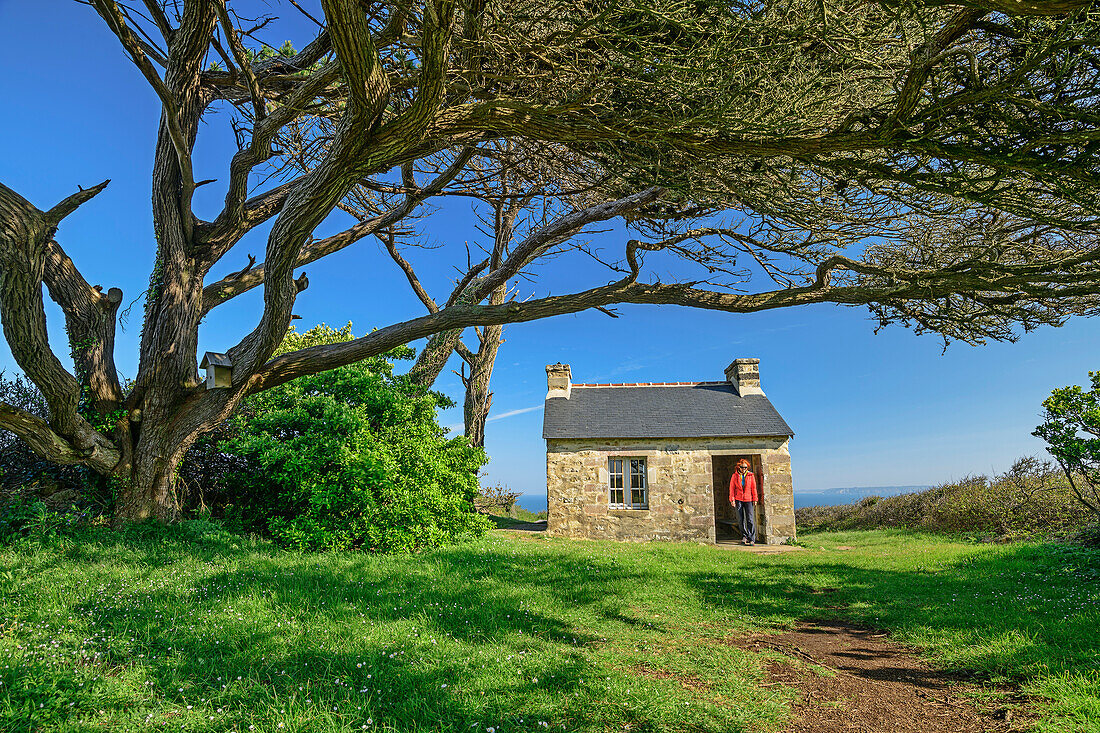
(525, 216)
(934, 160)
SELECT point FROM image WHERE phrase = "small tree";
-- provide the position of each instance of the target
(353, 457)
(1071, 429)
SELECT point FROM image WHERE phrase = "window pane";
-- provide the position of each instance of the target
(637, 497)
(615, 481)
(637, 473)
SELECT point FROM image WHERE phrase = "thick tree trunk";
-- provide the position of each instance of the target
(147, 493)
(167, 370)
(147, 483)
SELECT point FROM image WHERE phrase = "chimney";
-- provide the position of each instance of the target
(558, 381)
(744, 375)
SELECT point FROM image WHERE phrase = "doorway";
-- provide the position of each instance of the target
(726, 525)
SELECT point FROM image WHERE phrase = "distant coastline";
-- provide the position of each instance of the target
(849, 494)
(818, 497)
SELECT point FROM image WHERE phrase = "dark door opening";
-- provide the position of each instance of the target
(726, 525)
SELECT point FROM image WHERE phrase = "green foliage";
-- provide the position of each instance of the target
(27, 518)
(264, 53)
(27, 478)
(353, 458)
(33, 519)
(103, 422)
(268, 52)
(1031, 499)
(1071, 429)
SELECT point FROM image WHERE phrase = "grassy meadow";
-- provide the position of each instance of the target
(191, 629)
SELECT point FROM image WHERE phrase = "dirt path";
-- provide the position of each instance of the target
(863, 683)
(520, 529)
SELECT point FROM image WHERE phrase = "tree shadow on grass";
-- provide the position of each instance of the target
(1018, 613)
(445, 641)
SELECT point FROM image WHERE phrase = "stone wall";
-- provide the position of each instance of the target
(681, 488)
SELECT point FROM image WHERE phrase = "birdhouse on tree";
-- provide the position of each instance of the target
(219, 370)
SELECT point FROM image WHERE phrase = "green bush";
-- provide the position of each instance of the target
(1033, 498)
(19, 517)
(35, 519)
(26, 477)
(351, 458)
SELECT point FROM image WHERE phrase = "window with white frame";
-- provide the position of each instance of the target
(627, 484)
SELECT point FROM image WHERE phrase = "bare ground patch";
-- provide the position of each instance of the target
(523, 530)
(851, 679)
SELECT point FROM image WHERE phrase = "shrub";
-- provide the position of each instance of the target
(19, 517)
(496, 499)
(1032, 498)
(27, 479)
(1088, 536)
(350, 458)
(35, 519)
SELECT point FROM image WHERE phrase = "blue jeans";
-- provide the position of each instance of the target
(746, 512)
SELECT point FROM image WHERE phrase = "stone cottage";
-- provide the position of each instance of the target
(653, 461)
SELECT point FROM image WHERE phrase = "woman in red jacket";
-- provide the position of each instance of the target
(743, 496)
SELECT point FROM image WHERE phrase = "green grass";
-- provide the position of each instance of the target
(205, 632)
(529, 516)
(523, 519)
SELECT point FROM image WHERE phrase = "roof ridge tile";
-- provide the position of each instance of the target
(646, 384)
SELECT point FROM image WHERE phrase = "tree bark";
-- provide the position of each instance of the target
(479, 400)
(26, 236)
(433, 357)
(149, 491)
(90, 321)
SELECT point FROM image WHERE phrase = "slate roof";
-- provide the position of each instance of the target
(678, 410)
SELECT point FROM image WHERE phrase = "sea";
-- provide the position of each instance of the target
(818, 497)
(849, 494)
(533, 502)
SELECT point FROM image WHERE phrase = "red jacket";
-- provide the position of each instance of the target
(743, 490)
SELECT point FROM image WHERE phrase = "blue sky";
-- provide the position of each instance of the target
(885, 409)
